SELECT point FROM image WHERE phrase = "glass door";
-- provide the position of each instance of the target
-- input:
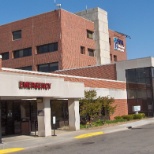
(59, 109)
(10, 117)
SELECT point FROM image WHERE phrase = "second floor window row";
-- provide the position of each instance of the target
(51, 47)
(22, 53)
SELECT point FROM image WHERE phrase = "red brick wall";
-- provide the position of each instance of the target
(120, 55)
(37, 30)
(121, 108)
(104, 72)
(74, 35)
(121, 104)
(98, 83)
(68, 29)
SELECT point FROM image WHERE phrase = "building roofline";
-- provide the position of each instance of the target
(90, 9)
(33, 16)
(55, 75)
(83, 67)
(134, 59)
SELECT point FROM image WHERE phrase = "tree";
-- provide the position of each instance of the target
(107, 106)
(94, 107)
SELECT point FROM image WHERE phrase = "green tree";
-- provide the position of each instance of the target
(92, 106)
(107, 106)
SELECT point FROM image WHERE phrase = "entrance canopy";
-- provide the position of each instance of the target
(20, 85)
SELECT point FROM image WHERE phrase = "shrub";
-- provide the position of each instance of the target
(118, 117)
(139, 116)
(128, 117)
(82, 126)
(98, 122)
(142, 114)
(115, 121)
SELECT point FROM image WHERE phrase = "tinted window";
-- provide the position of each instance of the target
(22, 53)
(110, 41)
(50, 67)
(27, 68)
(139, 82)
(16, 35)
(131, 75)
(91, 52)
(90, 34)
(115, 58)
(47, 48)
(53, 67)
(82, 50)
(5, 56)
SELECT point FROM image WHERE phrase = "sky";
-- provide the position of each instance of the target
(132, 17)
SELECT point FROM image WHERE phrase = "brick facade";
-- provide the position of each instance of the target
(121, 108)
(119, 54)
(121, 104)
(102, 71)
(68, 29)
(38, 30)
(74, 35)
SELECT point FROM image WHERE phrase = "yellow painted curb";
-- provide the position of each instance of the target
(89, 135)
(5, 151)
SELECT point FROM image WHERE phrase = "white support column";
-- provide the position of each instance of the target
(44, 117)
(74, 117)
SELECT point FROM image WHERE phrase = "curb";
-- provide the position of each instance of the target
(70, 136)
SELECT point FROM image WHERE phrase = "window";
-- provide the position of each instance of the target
(91, 52)
(110, 41)
(50, 67)
(90, 34)
(115, 58)
(16, 35)
(22, 53)
(5, 55)
(139, 81)
(82, 50)
(47, 48)
(26, 68)
(111, 57)
(131, 75)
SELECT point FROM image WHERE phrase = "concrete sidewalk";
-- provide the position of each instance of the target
(64, 136)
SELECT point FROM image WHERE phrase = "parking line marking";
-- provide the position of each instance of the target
(10, 150)
(89, 135)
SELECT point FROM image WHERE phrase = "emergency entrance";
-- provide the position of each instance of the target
(18, 117)
(26, 102)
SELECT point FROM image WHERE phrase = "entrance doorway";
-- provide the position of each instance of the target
(18, 117)
(10, 116)
(59, 109)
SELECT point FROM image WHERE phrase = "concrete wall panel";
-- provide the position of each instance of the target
(9, 84)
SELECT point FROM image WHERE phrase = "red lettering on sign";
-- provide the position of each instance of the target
(20, 84)
(34, 85)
